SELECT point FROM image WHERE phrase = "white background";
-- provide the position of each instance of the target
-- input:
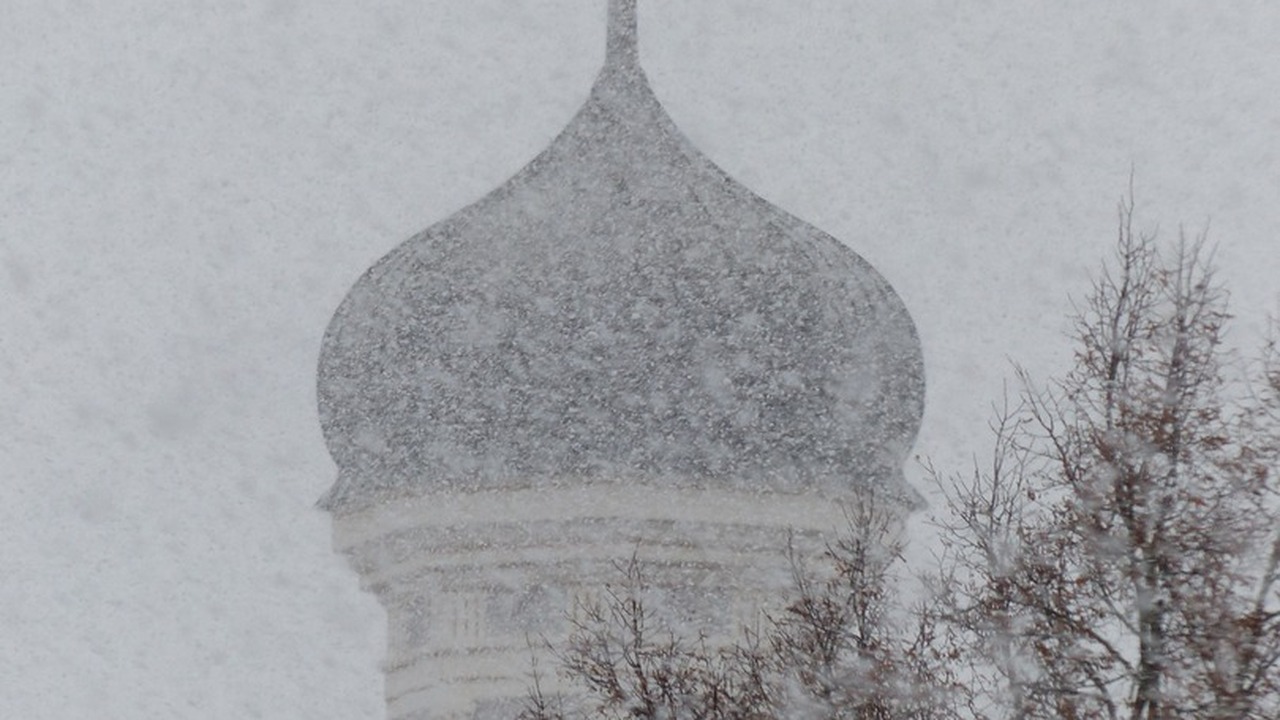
(187, 190)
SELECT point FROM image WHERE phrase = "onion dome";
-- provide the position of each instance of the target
(620, 310)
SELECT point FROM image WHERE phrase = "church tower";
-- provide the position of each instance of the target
(620, 347)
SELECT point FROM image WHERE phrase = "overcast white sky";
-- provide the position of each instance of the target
(187, 190)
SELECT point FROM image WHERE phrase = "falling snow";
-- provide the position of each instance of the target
(188, 192)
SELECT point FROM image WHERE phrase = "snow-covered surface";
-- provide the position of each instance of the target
(619, 310)
(188, 190)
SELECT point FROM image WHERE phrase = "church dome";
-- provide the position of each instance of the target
(620, 310)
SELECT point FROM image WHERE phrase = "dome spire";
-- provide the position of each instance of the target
(621, 49)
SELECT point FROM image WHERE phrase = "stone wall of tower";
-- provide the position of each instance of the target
(474, 584)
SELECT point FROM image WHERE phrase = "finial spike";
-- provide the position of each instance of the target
(622, 48)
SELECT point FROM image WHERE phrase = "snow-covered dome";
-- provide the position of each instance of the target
(621, 310)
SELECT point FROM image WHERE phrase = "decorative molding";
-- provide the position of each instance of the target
(712, 506)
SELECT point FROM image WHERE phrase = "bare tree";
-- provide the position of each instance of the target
(845, 648)
(1118, 558)
(837, 650)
